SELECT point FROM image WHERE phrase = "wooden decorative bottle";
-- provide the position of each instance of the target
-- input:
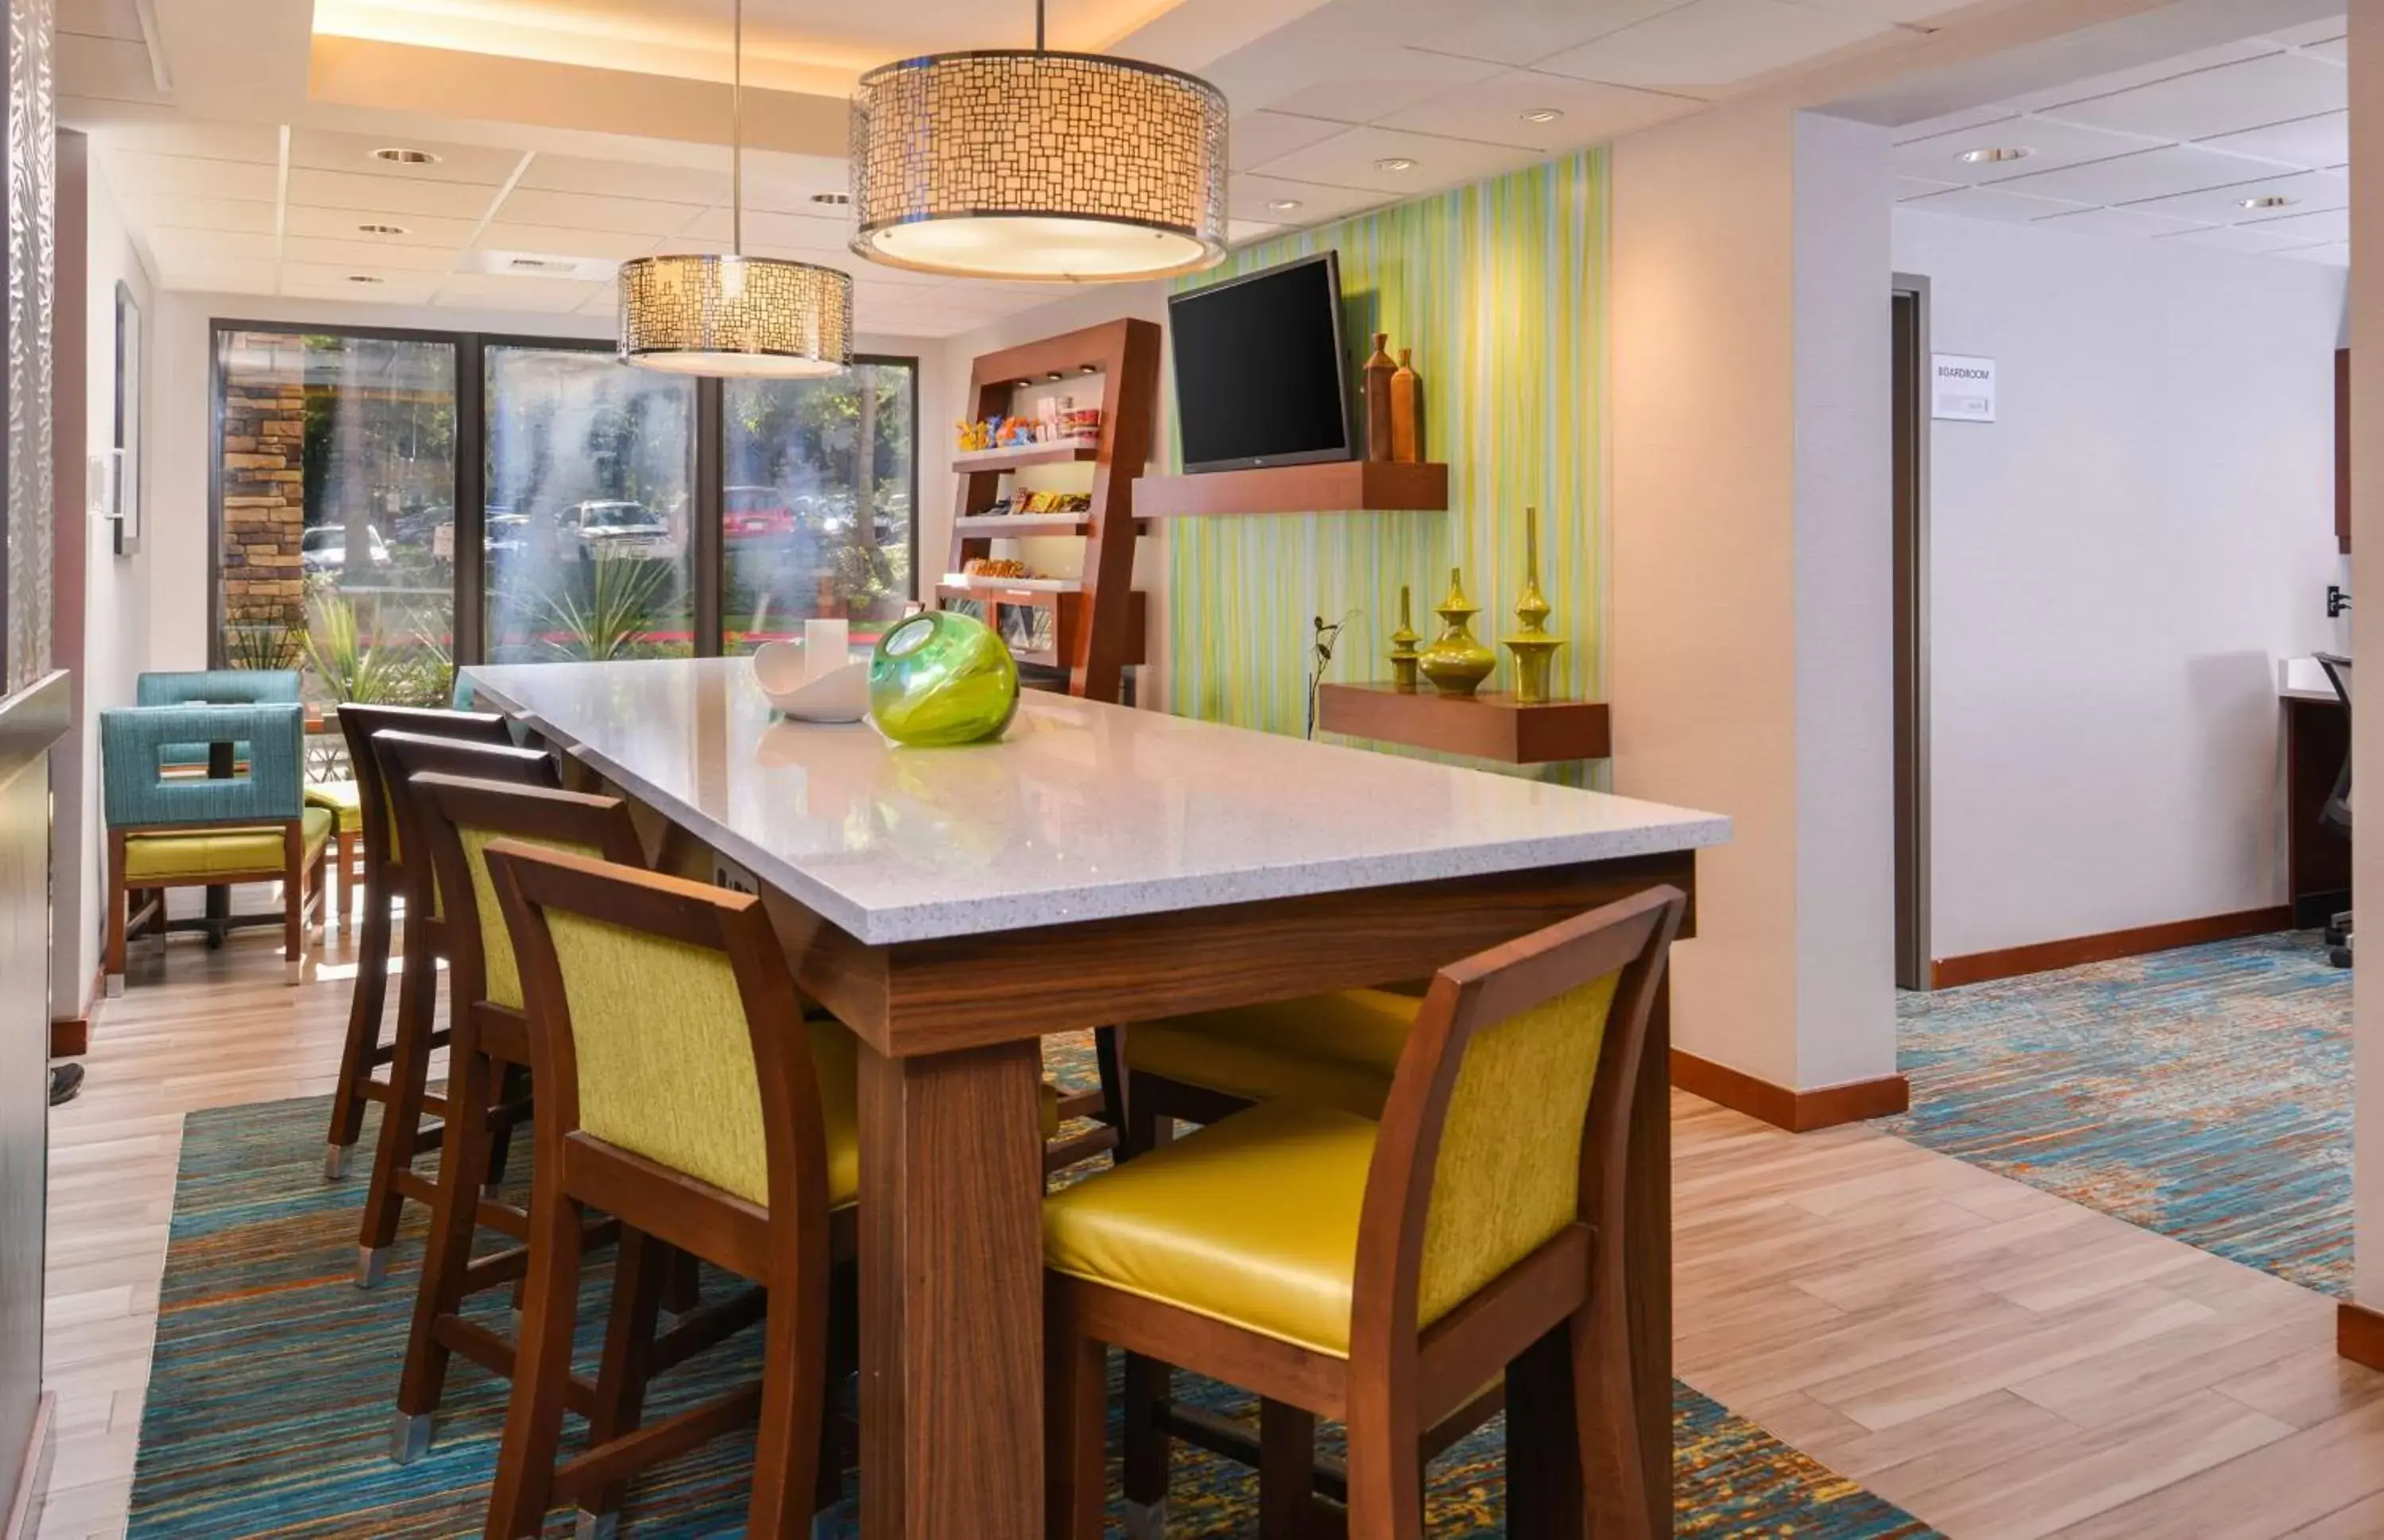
(1403, 647)
(1378, 372)
(1455, 663)
(1534, 648)
(1407, 412)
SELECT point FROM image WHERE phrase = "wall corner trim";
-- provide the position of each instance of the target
(2039, 957)
(1797, 1112)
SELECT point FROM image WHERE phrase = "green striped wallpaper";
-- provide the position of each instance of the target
(1499, 289)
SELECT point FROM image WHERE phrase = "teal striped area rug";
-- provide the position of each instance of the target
(2203, 1093)
(275, 1377)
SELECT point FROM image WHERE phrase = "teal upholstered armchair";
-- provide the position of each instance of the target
(169, 828)
(214, 686)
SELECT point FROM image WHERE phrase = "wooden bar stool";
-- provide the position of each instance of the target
(404, 1131)
(678, 1092)
(489, 1081)
(1383, 1273)
(384, 876)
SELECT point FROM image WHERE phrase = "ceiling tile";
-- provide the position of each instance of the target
(179, 211)
(478, 166)
(1349, 160)
(1521, 31)
(1703, 48)
(488, 292)
(368, 256)
(1251, 197)
(2322, 140)
(2223, 100)
(2337, 255)
(2326, 227)
(2338, 52)
(1980, 203)
(254, 142)
(1952, 122)
(801, 231)
(553, 241)
(1261, 136)
(329, 283)
(213, 248)
(370, 195)
(2141, 74)
(2147, 174)
(1905, 13)
(2234, 237)
(587, 211)
(2116, 221)
(100, 18)
(106, 68)
(614, 179)
(2312, 191)
(246, 278)
(784, 183)
(340, 224)
(138, 174)
(2309, 32)
(1368, 88)
(1242, 232)
(1905, 189)
(1493, 110)
(2050, 147)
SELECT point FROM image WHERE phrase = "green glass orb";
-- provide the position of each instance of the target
(940, 678)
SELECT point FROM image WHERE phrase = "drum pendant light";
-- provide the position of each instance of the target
(735, 315)
(1013, 163)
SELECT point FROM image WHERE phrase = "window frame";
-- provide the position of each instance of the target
(707, 509)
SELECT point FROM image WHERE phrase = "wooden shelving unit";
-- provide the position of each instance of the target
(1487, 726)
(1097, 626)
(1338, 486)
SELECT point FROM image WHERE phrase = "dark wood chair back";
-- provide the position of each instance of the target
(357, 725)
(403, 755)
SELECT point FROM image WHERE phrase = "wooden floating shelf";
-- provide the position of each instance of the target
(1010, 526)
(1489, 725)
(996, 591)
(1338, 486)
(980, 461)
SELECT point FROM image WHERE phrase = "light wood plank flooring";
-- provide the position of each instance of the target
(2003, 1364)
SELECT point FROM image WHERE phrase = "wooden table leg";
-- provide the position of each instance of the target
(951, 1294)
(1648, 1218)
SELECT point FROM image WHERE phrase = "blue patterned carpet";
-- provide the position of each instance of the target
(2203, 1093)
(274, 1378)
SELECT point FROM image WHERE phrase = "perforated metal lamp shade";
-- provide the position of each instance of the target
(1022, 164)
(740, 315)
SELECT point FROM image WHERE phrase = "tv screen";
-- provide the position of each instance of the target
(1259, 378)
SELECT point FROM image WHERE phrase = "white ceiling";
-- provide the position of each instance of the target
(2169, 152)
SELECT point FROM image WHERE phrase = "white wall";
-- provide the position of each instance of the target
(1751, 604)
(182, 429)
(2117, 564)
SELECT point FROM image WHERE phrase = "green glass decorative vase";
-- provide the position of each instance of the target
(1403, 647)
(1534, 645)
(1455, 663)
(940, 678)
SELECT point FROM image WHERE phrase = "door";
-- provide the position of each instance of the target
(1910, 403)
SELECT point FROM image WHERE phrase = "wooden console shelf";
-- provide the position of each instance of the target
(1489, 725)
(1338, 486)
(1020, 456)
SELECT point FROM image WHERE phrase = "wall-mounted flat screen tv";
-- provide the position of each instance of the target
(1258, 373)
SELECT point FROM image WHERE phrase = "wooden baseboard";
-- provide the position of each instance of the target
(1797, 1112)
(2044, 956)
(70, 1035)
(2359, 1334)
(33, 1476)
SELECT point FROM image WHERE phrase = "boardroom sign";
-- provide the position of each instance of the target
(1961, 389)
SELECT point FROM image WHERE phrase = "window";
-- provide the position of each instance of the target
(389, 505)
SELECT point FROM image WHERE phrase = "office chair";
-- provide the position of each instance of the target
(2335, 814)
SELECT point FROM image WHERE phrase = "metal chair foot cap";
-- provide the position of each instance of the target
(372, 1266)
(409, 1437)
(335, 1161)
(824, 1524)
(1144, 1521)
(115, 986)
(595, 1526)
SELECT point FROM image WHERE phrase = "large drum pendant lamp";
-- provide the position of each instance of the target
(1015, 163)
(735, 315)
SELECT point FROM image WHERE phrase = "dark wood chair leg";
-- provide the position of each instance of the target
(641, 1264)
(518, 1500)
(447, 1253)
(512, 1085)
(1613, 1463)
(1148, 1387)
(1075, 1428)
(787, 1446)
(1543, 1463)
(1386, 1467)
(683, 1284)
(401, 1122)
(1286, 1470)
(1109, 1057)
(120, 900)
(363, 1037)
(293, 903)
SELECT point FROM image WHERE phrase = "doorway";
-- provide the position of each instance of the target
(1909, 399)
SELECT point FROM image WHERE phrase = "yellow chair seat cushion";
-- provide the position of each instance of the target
(342, 797)
(1252, 1221)
(224, 852)
(1338, 1050)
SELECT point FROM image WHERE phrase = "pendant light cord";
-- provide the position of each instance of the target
(736, 135)
(1038, 25)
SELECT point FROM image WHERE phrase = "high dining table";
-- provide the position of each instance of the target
(1096, 864)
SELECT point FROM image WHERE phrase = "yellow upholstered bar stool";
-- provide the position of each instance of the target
(1382, 1274)
(679, 1091)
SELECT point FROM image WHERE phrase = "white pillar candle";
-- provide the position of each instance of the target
(826, 644)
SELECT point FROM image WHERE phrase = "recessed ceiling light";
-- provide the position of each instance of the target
(833, 200)
(1394, 163)
(2266, 200)
(1283, 205)
(1991, 157)
(398, 154)
(1540, 115)
(365, 278)
(380, 229)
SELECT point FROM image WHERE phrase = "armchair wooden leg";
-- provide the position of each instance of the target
(401, 1120)
(640, 1267)
(1543, 1467)
(1385, 1465)
(1615, 1489)
(794, 1367)
(364, 1038)
(1075, 1371)
(1286, 1470)
(518, 1500)
(1148, 1386)
(120, 900)
(293, 903)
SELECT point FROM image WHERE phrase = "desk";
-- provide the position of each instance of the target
(2318, 859)
(1099, 865)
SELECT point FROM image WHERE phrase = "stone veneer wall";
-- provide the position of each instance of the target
(263, 483)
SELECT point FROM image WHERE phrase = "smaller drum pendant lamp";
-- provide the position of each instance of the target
(1014, 163)
(735, 315)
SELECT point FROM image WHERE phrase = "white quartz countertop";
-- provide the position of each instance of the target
(1082, 811)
